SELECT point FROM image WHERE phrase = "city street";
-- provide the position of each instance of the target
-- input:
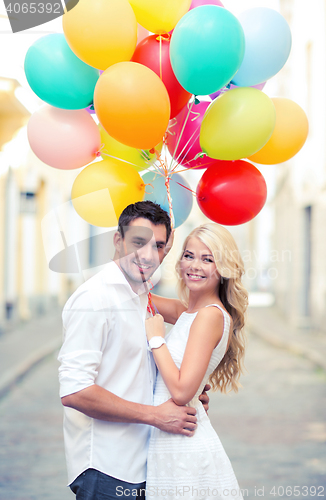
(118, 114)
(273, 430)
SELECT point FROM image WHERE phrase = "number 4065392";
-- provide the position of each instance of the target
(296, 491)
(34, 8)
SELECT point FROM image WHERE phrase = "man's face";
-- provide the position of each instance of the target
(142, 249)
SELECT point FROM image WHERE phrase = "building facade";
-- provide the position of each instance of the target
(299, 201)
(29, 191)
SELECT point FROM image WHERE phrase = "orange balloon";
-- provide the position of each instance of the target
(289, 136)
(104, 189)
(132, 105)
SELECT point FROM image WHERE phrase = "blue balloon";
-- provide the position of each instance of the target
(182, 199)
(207, 49)
(57, 75)
(268, 45)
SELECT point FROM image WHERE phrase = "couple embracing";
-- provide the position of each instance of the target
(135, 402)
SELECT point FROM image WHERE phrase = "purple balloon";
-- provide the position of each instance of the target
(217, 93)
(90, 109)
(199, 3)
(259, 86)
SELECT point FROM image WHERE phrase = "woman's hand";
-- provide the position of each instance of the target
(204, 398)
(155, 327)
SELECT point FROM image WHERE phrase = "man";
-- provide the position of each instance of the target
(107, 373)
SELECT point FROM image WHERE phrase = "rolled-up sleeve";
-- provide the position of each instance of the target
(85, 331)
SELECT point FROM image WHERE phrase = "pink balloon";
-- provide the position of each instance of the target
(259, 86)
(184, 149)
(142, 33)
(62, 138)
(198, 3)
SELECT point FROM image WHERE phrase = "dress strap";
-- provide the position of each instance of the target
(226, 317)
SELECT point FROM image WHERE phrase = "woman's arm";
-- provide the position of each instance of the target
(205, 333)
(170, 309)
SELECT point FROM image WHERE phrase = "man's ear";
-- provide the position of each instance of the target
(117, 241)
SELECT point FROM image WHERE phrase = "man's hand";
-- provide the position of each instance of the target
(204, 398)
(176, 419)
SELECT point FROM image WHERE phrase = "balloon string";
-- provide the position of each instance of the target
(163, 37)
(168, 192)
(195, 166)
(100, 151)
(165, 147)
(162, 168)
(196, 137)
(167, 176)
(149, 184)
(151, 306)
(193, 192)
(197, 115)
(158, 171)
(191, 142)
(145, 155)
(183, 128)
(161, 76)
(120, 159)
(172, 123)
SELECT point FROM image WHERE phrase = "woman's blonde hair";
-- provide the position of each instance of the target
(233, 296)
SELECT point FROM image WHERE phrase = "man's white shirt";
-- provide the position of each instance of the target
(105, 344)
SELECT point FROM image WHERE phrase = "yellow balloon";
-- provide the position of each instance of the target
(237, 124)
(103, 189)
(159, 16)
(101, 32)
(289, 136)
(139, 159)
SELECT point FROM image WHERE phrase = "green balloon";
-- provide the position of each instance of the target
(207, 49)
(57, 75)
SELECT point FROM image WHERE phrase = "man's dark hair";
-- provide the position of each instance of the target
(146, 210)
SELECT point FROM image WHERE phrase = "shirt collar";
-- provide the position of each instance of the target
(115, 276)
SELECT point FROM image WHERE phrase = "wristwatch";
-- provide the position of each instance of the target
(156, 342)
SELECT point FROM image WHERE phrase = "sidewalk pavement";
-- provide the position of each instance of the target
(26, 345)
(29, 343)
(268, 324)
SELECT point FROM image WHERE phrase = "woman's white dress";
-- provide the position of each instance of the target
(197, 467)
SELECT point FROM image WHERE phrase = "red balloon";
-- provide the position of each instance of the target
(184, 132)
(231, 192)
(155, 54)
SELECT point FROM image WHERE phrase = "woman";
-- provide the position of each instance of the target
(206, 343)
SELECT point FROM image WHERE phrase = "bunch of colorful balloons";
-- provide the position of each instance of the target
(140, 65)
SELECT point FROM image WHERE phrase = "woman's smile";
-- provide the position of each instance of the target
(195, 277)
(197, 266)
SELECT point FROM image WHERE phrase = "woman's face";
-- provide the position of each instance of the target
(197, 267)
